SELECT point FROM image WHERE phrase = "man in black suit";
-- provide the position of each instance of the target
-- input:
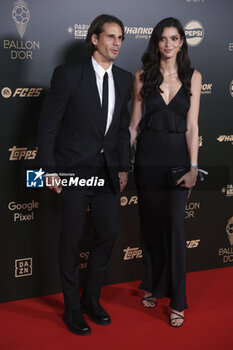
(84, 128)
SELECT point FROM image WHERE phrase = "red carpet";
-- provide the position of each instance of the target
(35, 324)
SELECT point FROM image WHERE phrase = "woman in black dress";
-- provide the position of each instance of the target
(169, 90)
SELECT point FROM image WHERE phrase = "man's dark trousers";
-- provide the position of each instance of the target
(104, 205)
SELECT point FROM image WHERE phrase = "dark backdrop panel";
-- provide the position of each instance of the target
(36, 36)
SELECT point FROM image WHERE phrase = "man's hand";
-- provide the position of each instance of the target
(123, 179)
(53, 182)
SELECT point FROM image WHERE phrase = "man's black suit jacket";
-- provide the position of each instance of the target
(71, 129)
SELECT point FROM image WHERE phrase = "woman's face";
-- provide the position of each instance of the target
(170, 43)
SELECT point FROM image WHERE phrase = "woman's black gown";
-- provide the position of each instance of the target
(161, 146)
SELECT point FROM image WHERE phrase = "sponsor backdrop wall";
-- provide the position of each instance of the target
(36, 36)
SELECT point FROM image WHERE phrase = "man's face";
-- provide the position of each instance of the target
(108, 43)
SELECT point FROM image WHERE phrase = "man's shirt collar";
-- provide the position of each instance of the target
(100, 71)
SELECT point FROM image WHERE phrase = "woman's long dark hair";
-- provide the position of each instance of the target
(151, 76)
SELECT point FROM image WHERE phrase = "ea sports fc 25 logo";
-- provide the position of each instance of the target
(194, 32)
(6, 92)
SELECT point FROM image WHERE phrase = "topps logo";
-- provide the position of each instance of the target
(22, 153)
(131, 253)
(193, 243)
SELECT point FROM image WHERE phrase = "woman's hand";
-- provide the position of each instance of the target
(189, 179)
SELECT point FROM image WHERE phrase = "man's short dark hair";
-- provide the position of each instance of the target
(96, 27)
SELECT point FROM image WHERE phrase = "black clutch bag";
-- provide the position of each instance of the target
(176, 173)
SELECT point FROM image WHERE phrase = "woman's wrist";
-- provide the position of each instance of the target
(194, 170)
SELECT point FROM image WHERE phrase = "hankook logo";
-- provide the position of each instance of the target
(194, 32)
(139, 32)
(225, 138)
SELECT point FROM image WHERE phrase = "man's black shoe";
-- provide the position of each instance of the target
(76, 322)
(95, 311)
